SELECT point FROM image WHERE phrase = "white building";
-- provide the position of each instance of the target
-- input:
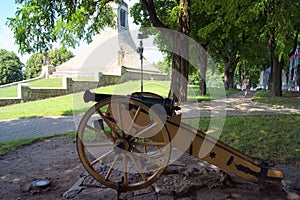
(112, 52)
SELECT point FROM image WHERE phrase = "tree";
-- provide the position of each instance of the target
(170, 15)
(10, 67)
(34, 64)
(33, 67)
(38, 24)
(59, 56)
(279, 21)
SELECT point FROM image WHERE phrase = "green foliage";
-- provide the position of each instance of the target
(10, 67)
(166, 11)
(165, 65)
(38, 24)
(34, 64)
(59, 56)
(33, 67)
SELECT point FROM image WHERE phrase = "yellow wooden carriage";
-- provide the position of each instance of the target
(125, 142)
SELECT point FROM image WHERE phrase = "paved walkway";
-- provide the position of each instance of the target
(233, 105)
(34, 127)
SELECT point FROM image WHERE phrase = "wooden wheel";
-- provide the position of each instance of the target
(123, 143)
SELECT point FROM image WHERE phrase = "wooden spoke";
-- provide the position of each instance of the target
(119, 119)
(147, 157)
(98, 144)
(108, 123)
(99, 131)
(145, 148)
(111, 167)
(134, 118)
(158, 148)
(101, 157)
(143, 131)
(156, 144)
(125, 170)
(138, 168)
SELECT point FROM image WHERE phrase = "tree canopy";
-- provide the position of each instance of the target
(240, 35)
(40, 23)
(35, 62)
(10, 67)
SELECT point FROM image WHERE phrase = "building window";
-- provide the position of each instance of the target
(122, 17)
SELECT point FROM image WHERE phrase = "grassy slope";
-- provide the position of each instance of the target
(12, 91)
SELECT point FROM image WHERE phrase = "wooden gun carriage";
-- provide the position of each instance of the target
(125, 142)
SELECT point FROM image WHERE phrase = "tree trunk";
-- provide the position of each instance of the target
(298, 77)
(240, 76)
(276, 68)
(277, 77)
(202, 57)
(228, 79)
(230, 64)
(180, 66)
(202, 86)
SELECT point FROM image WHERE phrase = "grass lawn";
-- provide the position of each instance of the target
(274, 137)
(64, 105)
(12, 91)
(288, 99)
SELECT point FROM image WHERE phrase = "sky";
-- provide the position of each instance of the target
(8, 9)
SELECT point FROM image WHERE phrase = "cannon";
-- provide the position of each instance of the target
(125, 142)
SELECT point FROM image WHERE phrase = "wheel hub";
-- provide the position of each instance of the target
(121, 144)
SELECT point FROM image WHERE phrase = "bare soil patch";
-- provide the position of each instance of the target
(54, 159)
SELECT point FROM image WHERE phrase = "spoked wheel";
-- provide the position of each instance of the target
(123, 143)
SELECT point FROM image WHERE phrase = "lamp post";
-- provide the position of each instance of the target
(140, 50)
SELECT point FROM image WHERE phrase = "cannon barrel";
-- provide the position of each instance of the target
(167, 103)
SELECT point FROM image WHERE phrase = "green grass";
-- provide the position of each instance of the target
(51, 82)
(211, 93)
(12, 145)
(73, 103)
(288, 99)
(159, 87)
(12, 91)
(268, 137)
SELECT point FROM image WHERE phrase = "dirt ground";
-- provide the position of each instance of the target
(55, 159)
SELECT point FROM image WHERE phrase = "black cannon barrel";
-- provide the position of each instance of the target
(167, 103)
(89, 96)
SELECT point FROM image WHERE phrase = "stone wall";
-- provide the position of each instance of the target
(9, 101)
(129, 75)
(26, 93)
